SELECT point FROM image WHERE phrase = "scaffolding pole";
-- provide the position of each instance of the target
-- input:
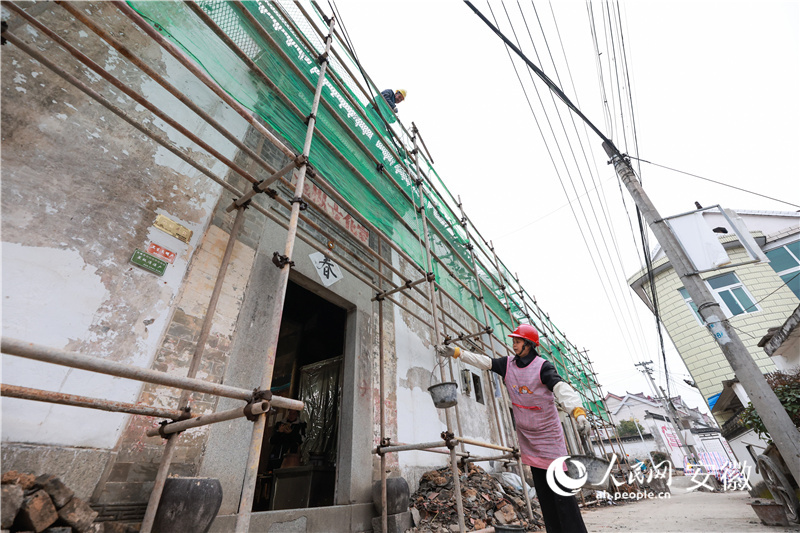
(284, 261)
(38, 395)
(436, 342)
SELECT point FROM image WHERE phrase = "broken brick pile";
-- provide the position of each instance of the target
(486, 503)
(44, 504)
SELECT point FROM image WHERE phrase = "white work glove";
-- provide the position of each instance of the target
(446, 350)
(583, 425)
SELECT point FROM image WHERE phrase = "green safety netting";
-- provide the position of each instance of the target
(359, 133)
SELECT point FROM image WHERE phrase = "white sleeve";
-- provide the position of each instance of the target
(567, 396)
(477, 360)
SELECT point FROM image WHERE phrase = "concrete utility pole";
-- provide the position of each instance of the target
(672, 416)
(780, 427)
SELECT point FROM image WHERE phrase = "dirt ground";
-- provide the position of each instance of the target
(682, 512)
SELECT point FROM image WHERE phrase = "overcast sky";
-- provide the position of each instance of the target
(715, 89)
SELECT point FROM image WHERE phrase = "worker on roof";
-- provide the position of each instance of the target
(533, 387)
(394, 97)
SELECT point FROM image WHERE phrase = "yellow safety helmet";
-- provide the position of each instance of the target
(403, 92)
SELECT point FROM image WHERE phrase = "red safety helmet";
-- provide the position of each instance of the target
(528, 332)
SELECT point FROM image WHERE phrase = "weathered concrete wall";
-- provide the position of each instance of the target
(80, 192)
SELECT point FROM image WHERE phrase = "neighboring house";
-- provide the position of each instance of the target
(754, 297)
(657, 434)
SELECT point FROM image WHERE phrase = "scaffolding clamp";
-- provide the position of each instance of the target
(449, 439)
(379, 167)
(281, 261)
(185, 415)
(4, 26)
(298, 200)
(300, 160)
(430, 276)
(248, 409)
(309, 117)
(322, 58)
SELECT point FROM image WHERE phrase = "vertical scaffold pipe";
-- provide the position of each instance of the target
(437, 341)
(194, 366)
(384, 510)
(465, 225)
(249, 485)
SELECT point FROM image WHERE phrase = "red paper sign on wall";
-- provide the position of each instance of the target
(160, 251)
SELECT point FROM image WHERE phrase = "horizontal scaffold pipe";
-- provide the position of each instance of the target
(182, 154)
(504, 457)
(136, 97)
(61, 398)
(482, 444)
(410, 447)
(253, 409)
(185, 100)
(46, 354)
(407, 285)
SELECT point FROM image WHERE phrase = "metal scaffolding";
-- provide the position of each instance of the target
(448, 319)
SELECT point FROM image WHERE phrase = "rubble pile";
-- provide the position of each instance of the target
(45, 504)
(486, 503)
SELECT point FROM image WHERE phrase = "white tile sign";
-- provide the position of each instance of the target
(329, 272)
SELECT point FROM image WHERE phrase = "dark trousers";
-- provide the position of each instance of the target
(561, 513)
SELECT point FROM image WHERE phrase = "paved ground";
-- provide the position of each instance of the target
(682, 512)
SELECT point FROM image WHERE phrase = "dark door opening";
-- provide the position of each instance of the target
(299, 453)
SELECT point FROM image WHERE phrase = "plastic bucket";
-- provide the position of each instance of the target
(444, 394)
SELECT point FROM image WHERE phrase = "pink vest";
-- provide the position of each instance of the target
(541, 438)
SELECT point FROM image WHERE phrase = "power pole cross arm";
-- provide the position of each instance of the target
(777, 421)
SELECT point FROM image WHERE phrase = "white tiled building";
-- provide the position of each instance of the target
(755, 297)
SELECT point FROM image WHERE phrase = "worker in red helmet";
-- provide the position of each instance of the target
(534, 386)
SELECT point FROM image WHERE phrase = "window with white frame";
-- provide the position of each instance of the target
(729, 292)
(785, 261)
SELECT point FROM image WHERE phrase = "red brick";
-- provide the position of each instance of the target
(37, 513)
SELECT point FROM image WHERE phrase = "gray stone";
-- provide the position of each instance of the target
(59, 529)
(396, 523)
(415, 516)
(59, 493)
(11, 501)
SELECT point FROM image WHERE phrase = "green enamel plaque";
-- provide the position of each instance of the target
(148, 262)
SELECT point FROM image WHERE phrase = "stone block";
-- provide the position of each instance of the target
(58, 529)
(78, 514)
(37, 512)
(396, 523)
(52, 485)
(11, 501)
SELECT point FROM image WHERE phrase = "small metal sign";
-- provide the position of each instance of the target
(170, 227)
(160, 251)
(329, 272)
(148, 262)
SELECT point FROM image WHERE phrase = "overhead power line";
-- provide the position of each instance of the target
(714, 181)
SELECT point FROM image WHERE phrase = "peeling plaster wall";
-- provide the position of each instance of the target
(80, 192)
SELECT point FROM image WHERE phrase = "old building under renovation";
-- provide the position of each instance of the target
(212, 219)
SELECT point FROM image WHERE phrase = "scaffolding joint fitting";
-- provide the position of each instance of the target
(272, 193)
(469, 247)
(280, 260)
(418, 182)
(488, 329)
(185, 415)
(322, 58)
(447, 339)
(309, 117)
(3, 28)
(430, 276)
(298, 200)
(300, 160)
(379, 167)
(248, 410)
(260, 396)
(449, 439)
